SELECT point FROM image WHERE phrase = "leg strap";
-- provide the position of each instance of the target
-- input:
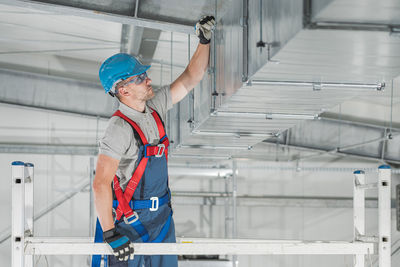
(164, 231)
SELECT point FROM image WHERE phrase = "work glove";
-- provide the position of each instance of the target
(121, 245)
(204, 27)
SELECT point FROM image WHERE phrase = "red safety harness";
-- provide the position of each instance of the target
(149, 151)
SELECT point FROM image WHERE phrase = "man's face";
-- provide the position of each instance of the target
(142, 91)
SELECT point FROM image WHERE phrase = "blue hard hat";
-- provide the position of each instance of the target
(118, 67)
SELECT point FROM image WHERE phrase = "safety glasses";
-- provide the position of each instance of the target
(138, 79)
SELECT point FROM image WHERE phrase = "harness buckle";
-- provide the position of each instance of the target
(154, 203)
(131, 220)
(161, 149)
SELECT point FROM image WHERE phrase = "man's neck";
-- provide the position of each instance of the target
(135, 104)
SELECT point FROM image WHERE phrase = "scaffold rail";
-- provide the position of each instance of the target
(200, 246)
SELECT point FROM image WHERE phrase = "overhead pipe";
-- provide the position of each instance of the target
(340, 149)
(270, 116)
(320, 85)
(228, 134)
(209, 172)
(216, 147)
(354, 26)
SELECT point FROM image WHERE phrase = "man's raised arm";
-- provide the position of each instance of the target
(197, 67)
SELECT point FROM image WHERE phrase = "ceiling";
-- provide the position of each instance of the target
(61, 44)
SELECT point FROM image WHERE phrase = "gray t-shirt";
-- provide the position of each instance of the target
(119, 141)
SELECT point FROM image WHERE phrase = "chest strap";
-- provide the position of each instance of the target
(157, 151)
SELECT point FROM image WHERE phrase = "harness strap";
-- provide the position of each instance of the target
(159, 123)
(134, 125)
(157, 150)
(124, 197)
(164, 231)
(124, 208)
(145, 204)
(161, 130)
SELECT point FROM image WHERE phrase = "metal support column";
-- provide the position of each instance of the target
(384, 213)
(17, 214)
(228, 218)
(359, 213)
(234, 207)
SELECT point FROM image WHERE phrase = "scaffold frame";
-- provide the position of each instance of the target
(25, 245)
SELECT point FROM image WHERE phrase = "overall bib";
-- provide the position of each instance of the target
(143, 212)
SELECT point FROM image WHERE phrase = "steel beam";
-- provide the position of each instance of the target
(102, 15)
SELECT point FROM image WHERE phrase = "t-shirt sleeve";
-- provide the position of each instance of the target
(162, 101)
(116, 139)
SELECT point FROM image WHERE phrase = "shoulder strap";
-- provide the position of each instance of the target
(133, 124)
(159, 122)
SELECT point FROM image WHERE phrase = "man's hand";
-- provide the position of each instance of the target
(121, 245)
(204, 27)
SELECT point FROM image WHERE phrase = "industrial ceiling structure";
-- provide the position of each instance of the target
(274, 66)
(289, 82)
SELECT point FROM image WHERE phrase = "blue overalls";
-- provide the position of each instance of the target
(149, 215)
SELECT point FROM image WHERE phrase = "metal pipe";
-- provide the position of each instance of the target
(338, 152)
(216, 147)
(209, 172)
(191, 94)
(226, 206)
(214, 93)
(208, 157)
(136, 8)
(318, 85)
(239, 114)
(352, 26)
(201, 194)
(197, 198)
(234, 206)
(234, 198)
(291, 116)
(237, 135)
(328, 117)
(340, 149)
(266, 167)
(245, 51)
(265, 115)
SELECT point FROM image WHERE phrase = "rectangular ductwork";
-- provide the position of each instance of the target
(270, 69)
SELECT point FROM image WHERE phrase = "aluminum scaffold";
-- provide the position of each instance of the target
(25, 245)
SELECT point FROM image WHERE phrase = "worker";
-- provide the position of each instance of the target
(132, 196)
